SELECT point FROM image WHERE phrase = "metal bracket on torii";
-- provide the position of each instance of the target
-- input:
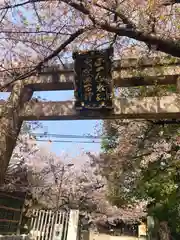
(126, 73)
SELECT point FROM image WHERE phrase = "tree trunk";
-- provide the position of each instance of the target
(164, 232)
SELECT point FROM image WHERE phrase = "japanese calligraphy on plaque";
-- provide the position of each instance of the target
(93, 81)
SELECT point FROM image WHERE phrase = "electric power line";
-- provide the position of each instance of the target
(44, 135)
(65, 141)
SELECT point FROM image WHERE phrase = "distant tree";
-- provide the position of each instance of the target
(144, 167)
(54, 185)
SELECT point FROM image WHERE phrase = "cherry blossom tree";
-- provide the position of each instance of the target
(36, 33)
(56, 185)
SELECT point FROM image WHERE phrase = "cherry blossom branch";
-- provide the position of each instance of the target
(52, 55)
(124, 19)
(168, 46)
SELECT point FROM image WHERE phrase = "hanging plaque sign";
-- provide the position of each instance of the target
(93, 81)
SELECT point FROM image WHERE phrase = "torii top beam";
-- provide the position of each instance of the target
(126, 73)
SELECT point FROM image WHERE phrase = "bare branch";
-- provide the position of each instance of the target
(20, 4)
(3, 16)
(61, 47)
(168, 46)
(37, 14)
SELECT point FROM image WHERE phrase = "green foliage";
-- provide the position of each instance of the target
(108, 143)
(29, 127)
(160, 181)
(157, 181)
(26, 127)
(157, 90)
(110, 137)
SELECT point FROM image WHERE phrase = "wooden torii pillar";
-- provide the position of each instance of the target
(10, 123)
(126, 73)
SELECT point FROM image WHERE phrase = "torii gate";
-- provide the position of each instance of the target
(126, 73)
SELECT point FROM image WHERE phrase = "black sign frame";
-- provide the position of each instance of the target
(93, 80)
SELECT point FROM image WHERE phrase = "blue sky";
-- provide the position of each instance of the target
(67, 127)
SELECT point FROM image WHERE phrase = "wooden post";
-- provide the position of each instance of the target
(85, 235)
(10, 124)
(73, 225)
(178, 84)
